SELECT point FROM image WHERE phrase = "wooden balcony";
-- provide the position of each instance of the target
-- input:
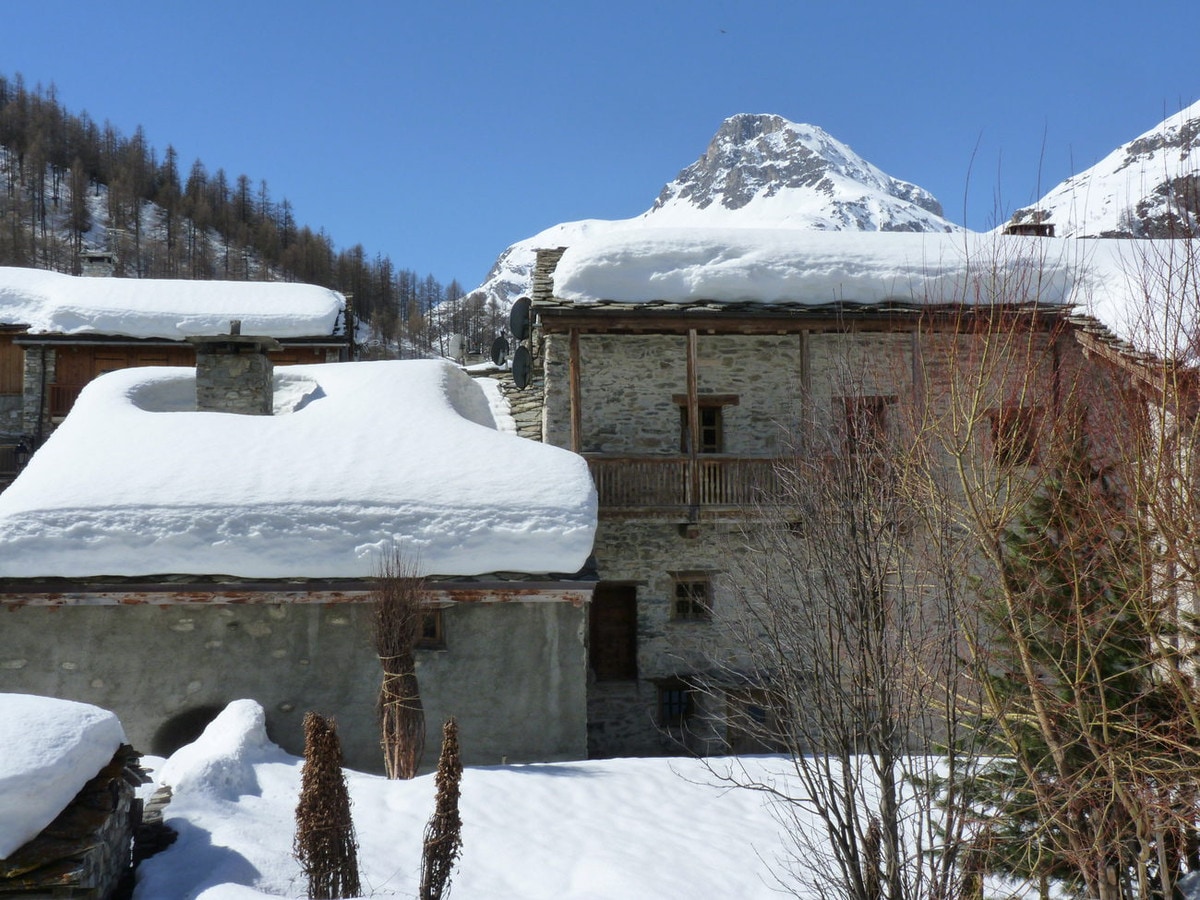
(721, 486)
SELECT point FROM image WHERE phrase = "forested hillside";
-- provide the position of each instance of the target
(69, 185)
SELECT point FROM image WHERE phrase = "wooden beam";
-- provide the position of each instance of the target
(693, 408)
(574, 387)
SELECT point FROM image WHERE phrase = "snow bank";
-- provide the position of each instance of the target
(633, 828)
(49, 749)
(49, 302)
(220, 763)
(358, 458)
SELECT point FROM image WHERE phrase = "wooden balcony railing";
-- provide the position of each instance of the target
(664, 485)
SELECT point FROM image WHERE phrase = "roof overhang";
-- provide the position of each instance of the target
(656, 317)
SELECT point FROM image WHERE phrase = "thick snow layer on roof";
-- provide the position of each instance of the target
(49, 302)
(358, 457)
(49, 749)
(1133, 287)
(792, 266)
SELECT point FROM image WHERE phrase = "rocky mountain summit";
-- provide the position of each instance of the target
(781, 173)
(1149, 187)
(759, 171)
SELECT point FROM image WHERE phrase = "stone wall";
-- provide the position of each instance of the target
(623, 716)
(12, 423)
(513, 673)
(231, 381)
(38, 379)
(790, 390)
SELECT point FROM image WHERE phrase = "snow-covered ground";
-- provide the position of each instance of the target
(627, 829)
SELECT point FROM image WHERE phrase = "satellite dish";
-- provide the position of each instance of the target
(520, 368)
(499, 350)
(518, 319)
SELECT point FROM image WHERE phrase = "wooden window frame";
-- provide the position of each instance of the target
(711, 408)
(676, 703)
(1014, 431)
(865, 422)
(433, 630)
(691, 597)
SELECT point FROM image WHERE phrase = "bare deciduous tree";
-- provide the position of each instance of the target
(851, 591)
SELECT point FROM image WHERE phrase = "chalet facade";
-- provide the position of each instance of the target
(687, 410)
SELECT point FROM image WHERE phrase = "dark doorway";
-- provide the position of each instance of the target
(613, 632)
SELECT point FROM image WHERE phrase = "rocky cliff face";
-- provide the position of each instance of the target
(759, 171)
(1149, 187)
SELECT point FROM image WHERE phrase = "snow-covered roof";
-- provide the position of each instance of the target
(53, 748)
(1132, 287)
(358, 457)
(53, 303)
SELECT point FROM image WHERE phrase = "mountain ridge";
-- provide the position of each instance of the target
(1148, 187)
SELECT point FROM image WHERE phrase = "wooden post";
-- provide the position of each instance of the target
(807, 407)
(693, 408)
(573, 386)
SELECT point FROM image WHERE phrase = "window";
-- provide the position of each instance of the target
(751, 721)
(865, 423)
(692, 597)
(711, 430)
(675, 703)
(433, 635)
(711, 411)
(1014, 435)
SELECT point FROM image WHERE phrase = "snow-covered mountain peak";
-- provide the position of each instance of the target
(1149, 187)
(774, 172)
(759, 171)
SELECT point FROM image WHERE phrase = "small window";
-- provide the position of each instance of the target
(865, 423)
(711, 430)
(675, 704)
(692, 597)
(711, 410)
(433, 635)
(1014, 436)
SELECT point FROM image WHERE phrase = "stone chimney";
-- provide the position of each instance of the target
(234, 373)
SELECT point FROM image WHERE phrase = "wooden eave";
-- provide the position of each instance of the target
(494, 588)
(658, 317)
(116, 340)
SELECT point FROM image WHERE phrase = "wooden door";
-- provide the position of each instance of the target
(613, 632)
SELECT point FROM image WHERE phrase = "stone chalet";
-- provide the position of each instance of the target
(681, 366)
(162, 557)
(58, 332)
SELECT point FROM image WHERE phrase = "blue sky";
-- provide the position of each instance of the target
(439, 132)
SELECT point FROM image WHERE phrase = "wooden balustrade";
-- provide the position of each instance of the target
(662, 485)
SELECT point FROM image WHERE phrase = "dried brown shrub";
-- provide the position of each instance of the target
(443, 833)
(325, 844)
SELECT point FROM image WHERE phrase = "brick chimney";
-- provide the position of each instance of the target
(234, 373)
